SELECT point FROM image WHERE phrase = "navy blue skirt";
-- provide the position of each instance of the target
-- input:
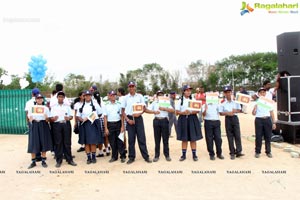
(90, 133)
(188, 128)
(39, 138)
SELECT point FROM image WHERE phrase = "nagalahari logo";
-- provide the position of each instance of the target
(272, 8)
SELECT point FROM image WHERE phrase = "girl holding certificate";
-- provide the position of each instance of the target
(40, 137)
(90, 128)
(188, 125)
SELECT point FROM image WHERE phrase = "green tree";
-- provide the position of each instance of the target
(3, 72)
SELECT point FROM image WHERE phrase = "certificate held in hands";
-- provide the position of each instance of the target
(242, 98)
(194, 105)
(164, 102)
(92, 117)
(137, 108)
(212, 97)
(37, 110)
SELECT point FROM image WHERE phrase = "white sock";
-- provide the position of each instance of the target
(101, 152)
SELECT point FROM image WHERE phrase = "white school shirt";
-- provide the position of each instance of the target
(113, 111)
(88, 109)
(154, 106)
(62, 111)
(129, 100)
(39, 117)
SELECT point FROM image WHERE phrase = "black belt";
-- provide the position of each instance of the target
(114, 122)
(61, 122)
(38, 121)
(131, 117)
(160, 118)
(265, 117)
(231, 116)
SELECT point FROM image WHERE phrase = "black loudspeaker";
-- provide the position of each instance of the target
(288, 99)
(290, 133)
(288, 47)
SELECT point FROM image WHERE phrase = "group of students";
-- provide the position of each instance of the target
(49, 128)
(102, 124)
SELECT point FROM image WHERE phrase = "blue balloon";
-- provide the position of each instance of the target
(37, 68)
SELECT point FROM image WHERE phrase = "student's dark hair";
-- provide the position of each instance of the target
(266, 82)
(283, 73)
(93, 107)
(59, 87)
(122, 91)
(54, 92)
(97, 97)
(182, 98)
(76, 100)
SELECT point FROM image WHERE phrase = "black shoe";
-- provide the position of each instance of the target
(239, 155)
(232, 157)
(221, 157)
(195, 158)
(81, 149)
(269, 155)
(257, 155)
(125, 151)
(148, 160)
(58, 165)
(182, 158)
(155, 159)
(94, 160)
(72, 163)
(123, 160)
(212, 158)
(89, 161)
(168, 158)
(130, 161)
(108, 154)
(44, 164)
(112, 160)
(32, 165)
(100, 155)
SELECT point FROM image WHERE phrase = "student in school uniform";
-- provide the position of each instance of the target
(212, 128)
(121, 95)
(39, 138)
(28, 105)
(135, 123)
(229, 109)
(114, 125)
(189, 129)
(90, 128)
(172, 115)
(61, 115)
(161, 126)
(264, 123)
(105, 146)
(77, 106)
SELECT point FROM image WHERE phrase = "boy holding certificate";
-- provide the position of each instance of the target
(264, 123)
(161, 108)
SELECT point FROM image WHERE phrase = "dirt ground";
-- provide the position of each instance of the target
(242, 178)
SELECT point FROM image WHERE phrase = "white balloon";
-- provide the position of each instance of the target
(23, 83)
(6, 80)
